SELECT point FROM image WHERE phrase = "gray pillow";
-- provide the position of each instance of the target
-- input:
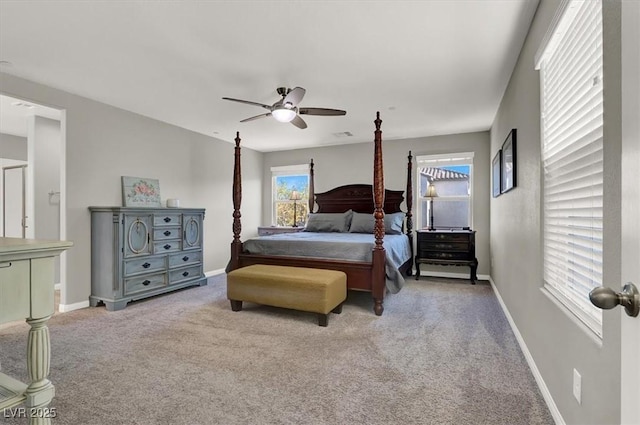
(362, 223)
(393, 223)
(329, 222)
(365, 223)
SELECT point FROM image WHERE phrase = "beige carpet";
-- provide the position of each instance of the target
(442, 353)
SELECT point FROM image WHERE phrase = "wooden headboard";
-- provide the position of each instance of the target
(357, 197)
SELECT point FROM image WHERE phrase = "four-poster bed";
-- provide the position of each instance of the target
(368, 273)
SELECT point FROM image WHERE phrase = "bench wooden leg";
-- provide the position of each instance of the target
(236, 305)
(323, 319)
(338, 309)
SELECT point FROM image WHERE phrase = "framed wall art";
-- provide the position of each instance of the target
(140, 192)
(509, 162)
(496, 177)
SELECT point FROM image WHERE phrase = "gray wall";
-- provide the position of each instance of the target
(46, 135)
(557, 343)
(339, 165)
(104, 143)
(13, 147)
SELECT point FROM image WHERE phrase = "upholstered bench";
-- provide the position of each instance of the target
(299, 288)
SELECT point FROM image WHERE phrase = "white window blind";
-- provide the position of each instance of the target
(572, 105)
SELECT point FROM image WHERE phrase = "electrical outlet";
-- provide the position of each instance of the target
(577, 385)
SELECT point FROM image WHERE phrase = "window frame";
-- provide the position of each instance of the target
(561, 290)
(284, 171)
(443, 160)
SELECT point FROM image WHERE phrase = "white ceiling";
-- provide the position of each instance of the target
(430, 67)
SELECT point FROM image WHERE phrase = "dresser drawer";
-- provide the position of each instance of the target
(143, 265)
(442, 255)
(144, 283)
(168, 219)
(167, 246)
(439, 237)
(166, 233)
(187, 273)
(185, 259)
(444, 246)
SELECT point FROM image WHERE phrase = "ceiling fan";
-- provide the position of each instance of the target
(287, 110)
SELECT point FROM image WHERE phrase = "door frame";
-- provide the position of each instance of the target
(630, 205)
(24, 198)
(63, 186)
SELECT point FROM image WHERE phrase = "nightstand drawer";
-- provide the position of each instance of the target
(444, 246)
(273, 230)
(430, 237)
(442, 255)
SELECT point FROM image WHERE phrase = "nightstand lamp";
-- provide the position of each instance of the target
(431, 193)
(295, 196)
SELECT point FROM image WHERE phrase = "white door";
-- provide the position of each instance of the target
(630, 403)
(13, 201)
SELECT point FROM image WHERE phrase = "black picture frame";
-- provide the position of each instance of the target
(509, 167)
(496, 177)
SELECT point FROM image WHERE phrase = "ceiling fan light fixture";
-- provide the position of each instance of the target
(283, 114)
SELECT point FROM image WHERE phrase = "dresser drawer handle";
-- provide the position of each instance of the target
(167, 219)
(185, 274)
(146, 265)
(185, 258)
(167, 246)
(167, 233)
(146, 282)
(7, 265)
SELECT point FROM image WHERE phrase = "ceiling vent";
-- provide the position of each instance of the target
(343, 134)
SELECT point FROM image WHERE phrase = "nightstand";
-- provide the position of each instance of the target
(447, 248)
(273, 230)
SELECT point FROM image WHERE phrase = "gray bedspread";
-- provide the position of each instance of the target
(343, 246)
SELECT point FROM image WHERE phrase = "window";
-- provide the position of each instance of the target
(570, 65)
(450, 176)
(285, 181)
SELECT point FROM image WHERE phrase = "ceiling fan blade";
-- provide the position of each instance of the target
(256, 117)
(321, 111)
(299, 122)
(294, 97)
(248, 102)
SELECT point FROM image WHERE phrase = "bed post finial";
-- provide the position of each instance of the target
(378, 287)
(236, 245)
(312, 195)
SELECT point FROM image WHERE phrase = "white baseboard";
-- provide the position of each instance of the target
(214, 272)
(65, 308)
(546, 394)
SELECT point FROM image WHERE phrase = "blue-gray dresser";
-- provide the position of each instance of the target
(141, 252)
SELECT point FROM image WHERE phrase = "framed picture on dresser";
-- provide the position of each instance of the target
(509, 162)
(140, 192)
(496, 177)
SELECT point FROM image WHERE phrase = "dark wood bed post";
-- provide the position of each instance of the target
(312, 196)
(236, 245)
(379, 285)
(409, 194)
